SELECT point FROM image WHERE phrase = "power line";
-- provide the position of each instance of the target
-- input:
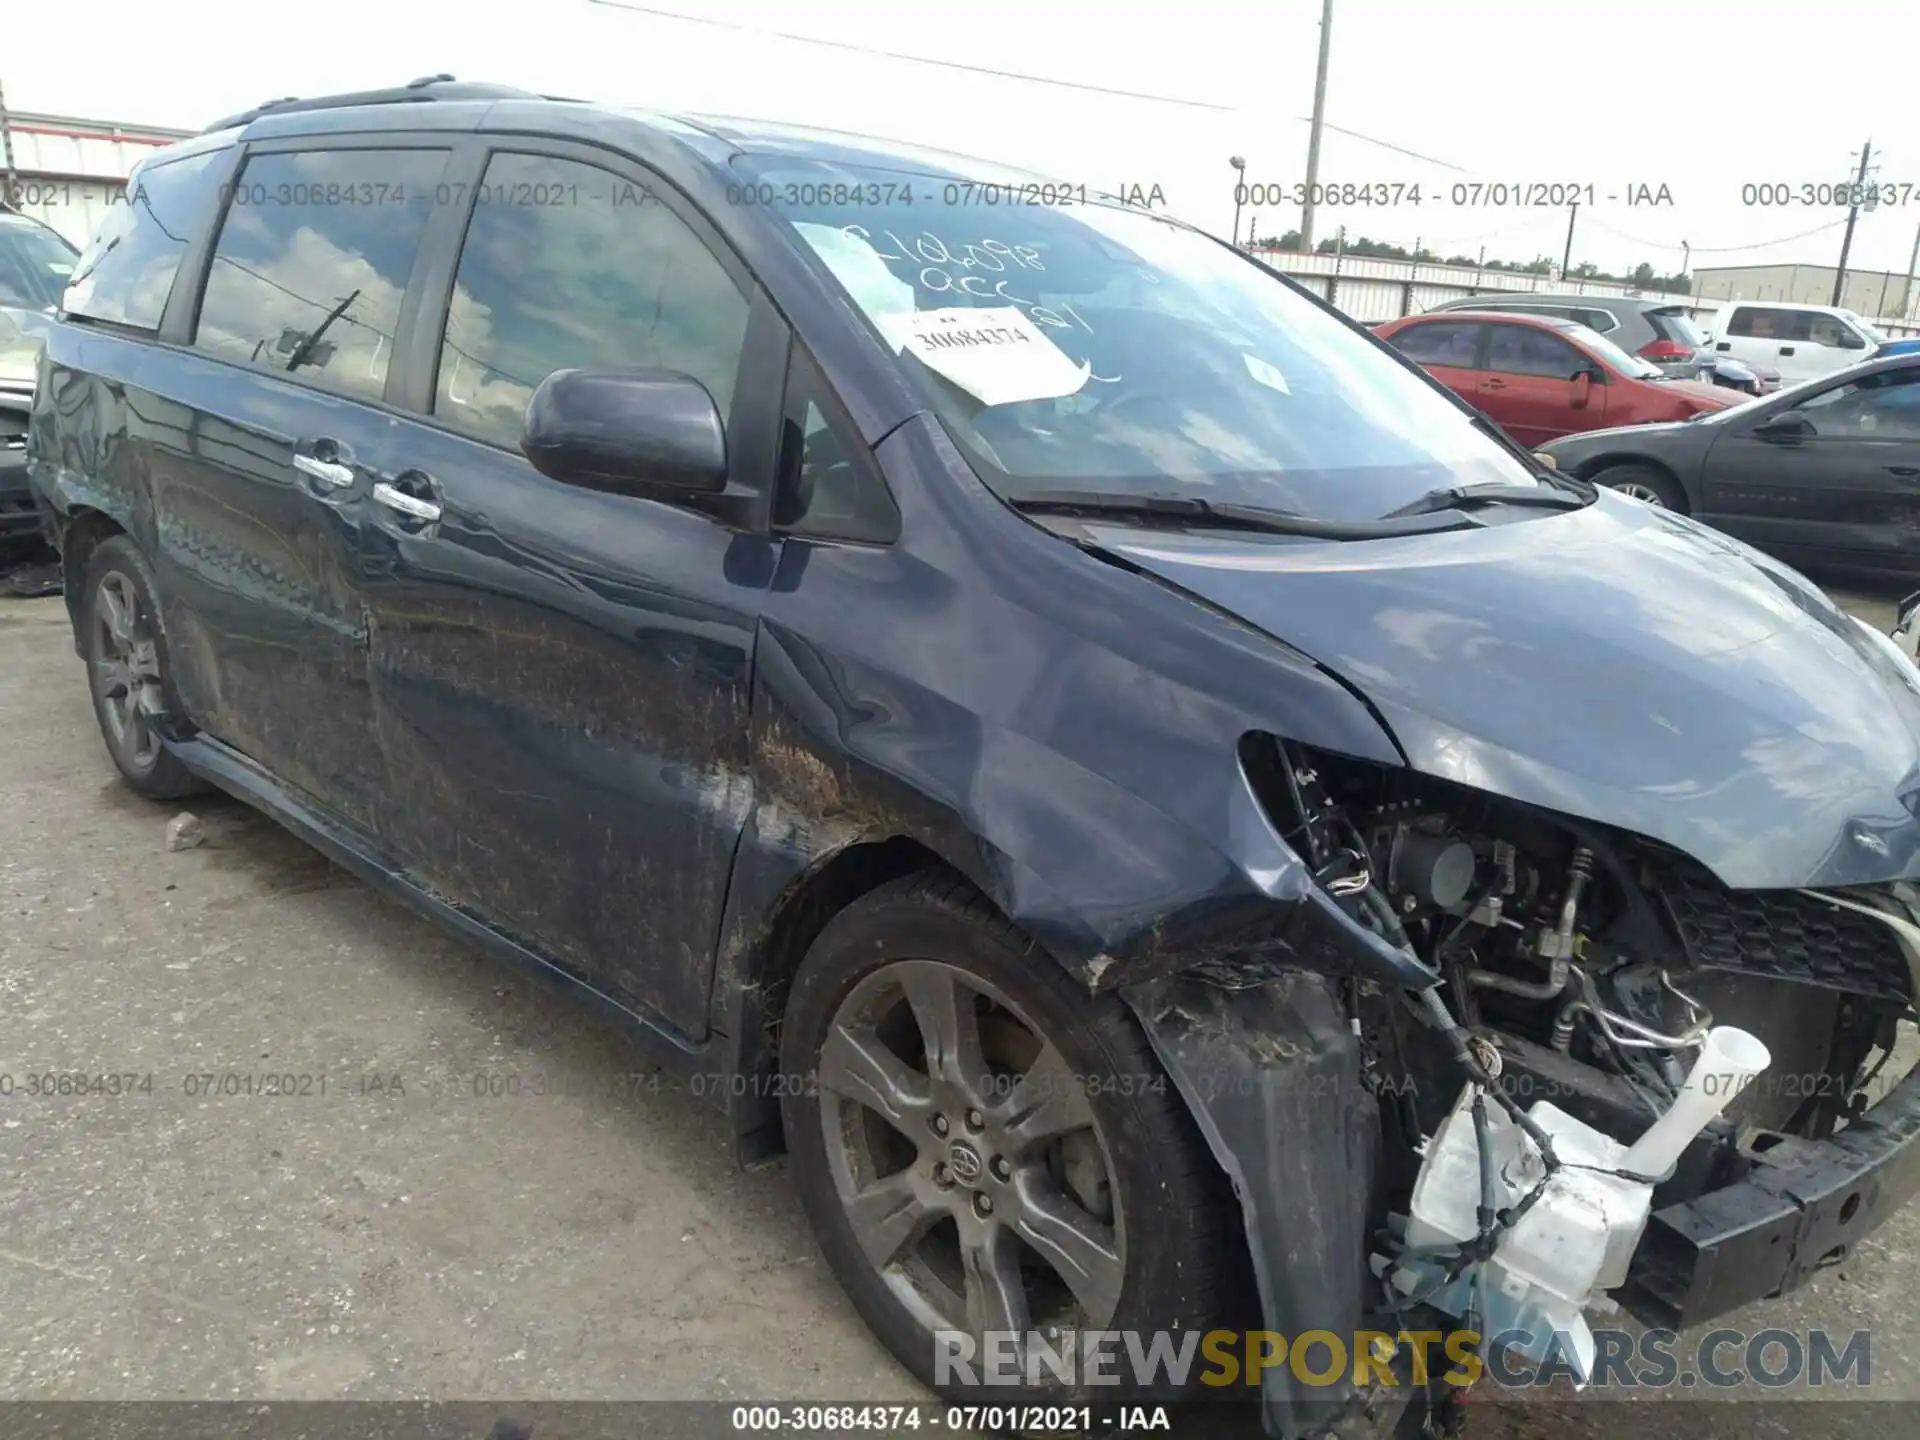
(849, 46)
(1387, 145)
(1720, 249)
(1028, 77)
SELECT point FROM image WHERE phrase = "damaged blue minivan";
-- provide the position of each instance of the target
(1117, 775)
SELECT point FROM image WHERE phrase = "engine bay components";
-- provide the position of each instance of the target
(1548, 1229)
(1603, 1005)
(1435, 871)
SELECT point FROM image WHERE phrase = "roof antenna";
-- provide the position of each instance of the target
(426, 80)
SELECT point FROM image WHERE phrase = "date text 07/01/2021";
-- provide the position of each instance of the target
(952, 1419)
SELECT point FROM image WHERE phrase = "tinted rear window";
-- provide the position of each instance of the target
(1762, 322)
(126, 272)
(1675, 325)
(1438, 344)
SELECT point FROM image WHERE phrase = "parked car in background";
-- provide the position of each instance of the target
(35, 262)
(1800, 341)
(1540, 378)
(1658, 331)
(1749, 379)
(1825, 473)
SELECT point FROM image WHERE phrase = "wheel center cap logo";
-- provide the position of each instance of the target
(964, 1161)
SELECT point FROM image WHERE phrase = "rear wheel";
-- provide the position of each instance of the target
(984, 1148)
(126, 669)
(1643, 482)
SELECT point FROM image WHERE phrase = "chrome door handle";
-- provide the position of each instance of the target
(327, 472)
(411, 505)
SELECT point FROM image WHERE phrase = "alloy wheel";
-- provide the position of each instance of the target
(1642, 492)
(126, 670)
(967, 1158)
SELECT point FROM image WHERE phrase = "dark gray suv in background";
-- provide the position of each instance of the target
(1658, 331)
(35, 262)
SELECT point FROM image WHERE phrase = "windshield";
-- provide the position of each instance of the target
(34, 264)
(1784, 397)
(1675, 325)
(1864, 328)
(1094, 347)
(1631, 366)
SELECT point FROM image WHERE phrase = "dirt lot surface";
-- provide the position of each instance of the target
(406, 1234)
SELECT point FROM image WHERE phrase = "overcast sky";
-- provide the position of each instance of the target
(1617, 94)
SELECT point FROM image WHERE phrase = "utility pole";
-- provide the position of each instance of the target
(1239, 193)
(1566, 259)
(1319, 118)
(304, 350)
(9, 178)
(1906, 292)
(1853, 214)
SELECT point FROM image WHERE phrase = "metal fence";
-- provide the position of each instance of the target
(1370, 288)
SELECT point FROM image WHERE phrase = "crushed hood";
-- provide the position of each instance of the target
(1619, 663)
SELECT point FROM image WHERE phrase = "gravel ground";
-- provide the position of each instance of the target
(400, 1236)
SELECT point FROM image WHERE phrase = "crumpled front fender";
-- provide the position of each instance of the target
(1272, 1074)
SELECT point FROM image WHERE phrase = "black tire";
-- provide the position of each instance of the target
(1173, 1224)
(1644, 482)
(126, 653)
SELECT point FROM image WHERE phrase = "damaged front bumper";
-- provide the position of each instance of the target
(1804, 1206)
(1273, 1073)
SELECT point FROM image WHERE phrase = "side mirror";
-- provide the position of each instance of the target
(628, 432)
(1783, 429)
(1850, 341)
(1582, 388)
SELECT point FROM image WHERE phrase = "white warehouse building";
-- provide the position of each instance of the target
(66, 172)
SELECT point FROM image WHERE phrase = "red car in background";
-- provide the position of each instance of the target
(1538, 377)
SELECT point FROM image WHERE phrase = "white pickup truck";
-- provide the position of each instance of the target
(1800, 341)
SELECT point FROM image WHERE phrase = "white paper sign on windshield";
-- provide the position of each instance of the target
(996, 354)
(858, 266)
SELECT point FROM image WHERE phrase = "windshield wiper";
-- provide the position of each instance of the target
(1556, 478)
(1223, 515)
(1497, 492)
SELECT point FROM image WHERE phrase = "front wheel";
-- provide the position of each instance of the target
(985, 1149)
(1643, 482)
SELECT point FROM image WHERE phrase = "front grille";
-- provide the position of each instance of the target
(1782, 934)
